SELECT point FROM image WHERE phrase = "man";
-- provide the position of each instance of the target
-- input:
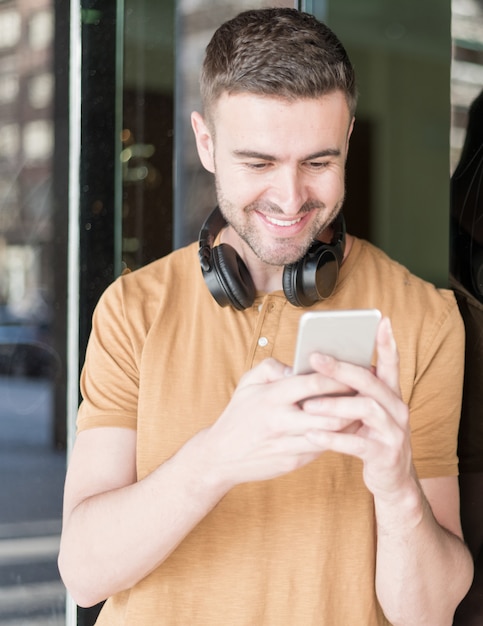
(208, 485)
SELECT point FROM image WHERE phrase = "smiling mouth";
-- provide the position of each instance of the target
(286, 223)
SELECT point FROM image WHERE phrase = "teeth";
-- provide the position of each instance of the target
(284, 222)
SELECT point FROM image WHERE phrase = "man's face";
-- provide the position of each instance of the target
(279, 170)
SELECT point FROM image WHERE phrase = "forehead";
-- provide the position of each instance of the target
(249, 118)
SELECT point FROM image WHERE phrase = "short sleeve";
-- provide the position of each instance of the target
(435, 403)
(110, 375)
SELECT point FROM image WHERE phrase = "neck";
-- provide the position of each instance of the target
(266, 278)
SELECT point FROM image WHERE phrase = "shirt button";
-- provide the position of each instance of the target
(262, 342)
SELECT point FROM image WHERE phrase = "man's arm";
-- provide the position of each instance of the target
(116, 530)
(423, 568)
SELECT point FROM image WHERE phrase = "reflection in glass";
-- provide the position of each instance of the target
(10, 27)
(400, 51)
(31, 465)
(196, 22)
(147, 133)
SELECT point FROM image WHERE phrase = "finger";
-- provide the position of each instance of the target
(345, 443)
(269, 370)
(382, 472)
(335, 424)
(316, 385)
(376, 406)
(289, 389)
(297, 422)
(362, 380)
(351, 408)
(387, 368)
(352, 376)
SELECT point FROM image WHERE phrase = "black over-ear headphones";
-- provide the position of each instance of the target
(305, 282)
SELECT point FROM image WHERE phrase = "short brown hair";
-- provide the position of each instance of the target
(278, 52)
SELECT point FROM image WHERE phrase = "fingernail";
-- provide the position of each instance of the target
(323, 359)
(389, 331)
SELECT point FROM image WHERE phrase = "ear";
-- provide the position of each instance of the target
(349, 133)
(204, 141)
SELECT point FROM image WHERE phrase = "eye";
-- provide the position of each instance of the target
(318, 165)
(258, 166)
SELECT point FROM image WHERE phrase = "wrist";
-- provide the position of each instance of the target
(206, 471)
(402, 510)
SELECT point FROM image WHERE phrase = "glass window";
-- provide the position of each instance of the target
(196, 22)
(41, 29)
(9, 192)
(10, 27)
(40, 90)
(147, 131)
(397, 177)
(38, 140)
(8, 87)
(9, 140)
(32, 327)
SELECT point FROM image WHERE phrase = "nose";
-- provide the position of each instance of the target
(289, 190)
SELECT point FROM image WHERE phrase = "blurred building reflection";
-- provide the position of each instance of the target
(31, 467)
(26, 147)
(466, 68)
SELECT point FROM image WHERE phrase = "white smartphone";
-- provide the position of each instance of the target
(346, 335)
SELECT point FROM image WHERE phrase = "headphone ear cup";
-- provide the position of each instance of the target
(230, 282)
(314, 277)
(289, 283)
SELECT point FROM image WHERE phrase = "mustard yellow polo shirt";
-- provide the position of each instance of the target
(299, 550)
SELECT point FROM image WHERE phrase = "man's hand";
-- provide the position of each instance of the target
(418, 548)
(382, 440)
(262, 432)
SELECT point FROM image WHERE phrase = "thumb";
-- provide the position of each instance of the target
(387, 369)
(268, 371)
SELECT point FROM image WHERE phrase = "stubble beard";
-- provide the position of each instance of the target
(281, 251)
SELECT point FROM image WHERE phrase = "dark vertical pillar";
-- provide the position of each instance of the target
(98, 158)
(466, 256)
(98, 163)
(60, 218)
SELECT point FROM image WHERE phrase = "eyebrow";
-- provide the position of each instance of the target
(253, 154)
